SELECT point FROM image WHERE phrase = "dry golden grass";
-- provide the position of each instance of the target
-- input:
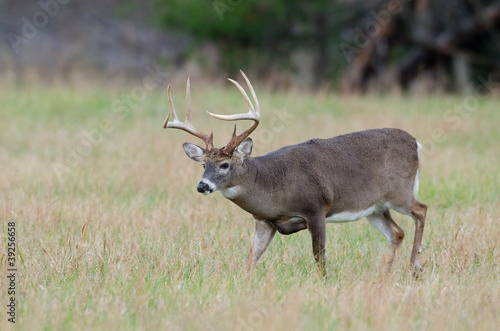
(122, 240)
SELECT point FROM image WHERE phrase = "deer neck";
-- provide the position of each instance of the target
(243, 181)
(258, 190)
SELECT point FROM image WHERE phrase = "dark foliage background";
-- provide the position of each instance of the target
(356, 44)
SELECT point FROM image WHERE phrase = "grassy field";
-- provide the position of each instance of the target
(112, 234)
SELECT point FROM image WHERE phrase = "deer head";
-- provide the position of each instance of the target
(222, 165)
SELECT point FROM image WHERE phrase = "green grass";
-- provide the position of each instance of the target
(121, 239)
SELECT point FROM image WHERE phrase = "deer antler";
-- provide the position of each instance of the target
(253, 114)
(186, 125)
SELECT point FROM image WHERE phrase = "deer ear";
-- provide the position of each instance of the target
(194, 152)
(244, 149)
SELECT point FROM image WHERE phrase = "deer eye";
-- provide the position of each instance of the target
(203, 165)
(224, 166)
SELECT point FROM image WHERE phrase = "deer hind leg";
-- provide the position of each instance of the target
(418, 212)
(383, 222)
(263, 235)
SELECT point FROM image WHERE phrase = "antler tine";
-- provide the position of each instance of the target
(252, 114)
(254, 96)
(186, 125)
(172, 109)
(188, 101)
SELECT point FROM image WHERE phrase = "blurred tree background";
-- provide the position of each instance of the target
(354, 46)
(357, 45)
(270, 36)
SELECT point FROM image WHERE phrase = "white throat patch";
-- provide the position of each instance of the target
(231, 192)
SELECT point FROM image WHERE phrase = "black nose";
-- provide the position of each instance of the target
(202, 187)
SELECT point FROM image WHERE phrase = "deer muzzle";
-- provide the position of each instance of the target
(205, 187)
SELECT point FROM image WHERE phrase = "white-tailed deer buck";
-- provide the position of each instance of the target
(304, 186)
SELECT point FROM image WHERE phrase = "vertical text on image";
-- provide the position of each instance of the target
(11, 271)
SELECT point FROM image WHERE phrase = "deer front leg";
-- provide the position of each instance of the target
(263, 235)
(317, 228)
